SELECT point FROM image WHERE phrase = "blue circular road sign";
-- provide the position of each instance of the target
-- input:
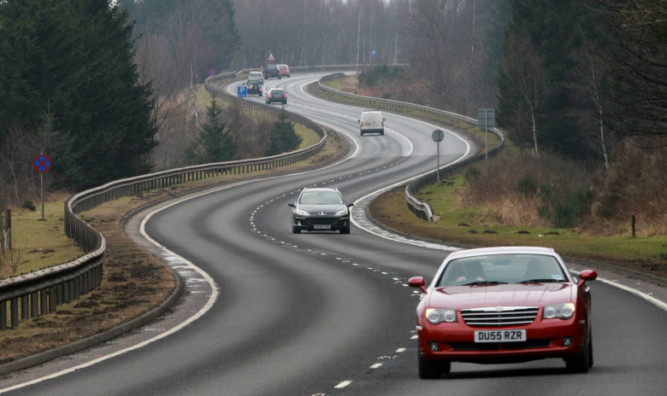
(42, 163)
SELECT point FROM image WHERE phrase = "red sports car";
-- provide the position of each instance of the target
(504, 305)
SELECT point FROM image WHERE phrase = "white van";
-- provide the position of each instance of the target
(371, 122)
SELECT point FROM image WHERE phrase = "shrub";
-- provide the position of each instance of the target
(27, 204)
(527, 186)
(379, 74)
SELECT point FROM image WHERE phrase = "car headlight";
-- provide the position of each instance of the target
(439, 315)
(301, 212)
(560, 311)
(341, 213)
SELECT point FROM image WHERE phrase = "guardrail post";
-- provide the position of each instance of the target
(14, 312)
(34, 304)
(53, 298)
(43, 307)
(3, 315)
(25, 312)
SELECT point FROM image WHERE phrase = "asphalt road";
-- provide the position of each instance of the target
(320, 313)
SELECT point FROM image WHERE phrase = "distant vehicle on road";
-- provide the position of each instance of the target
(254, 87)
(284, 70)
(371, 122)
(272, 70)
(256, 75)
(504, 305)
(276, 95)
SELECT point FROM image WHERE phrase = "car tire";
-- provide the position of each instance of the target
(432, 370)
(296, 230)
(590, 352)
(582, 362)
(345, 230)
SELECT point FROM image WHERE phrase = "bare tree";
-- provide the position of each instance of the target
(590, 89)
(527, 79)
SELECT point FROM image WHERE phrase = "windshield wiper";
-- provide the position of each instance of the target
(482, 283)
(542, 280)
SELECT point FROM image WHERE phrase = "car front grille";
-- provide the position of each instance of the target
(500, 316)
(323, 220)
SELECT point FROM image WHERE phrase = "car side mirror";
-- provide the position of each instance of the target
(418, 282)
(587, 275)
(350, 205)
(291, 205)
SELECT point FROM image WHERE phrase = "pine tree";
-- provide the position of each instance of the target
(554, 31)
(75, 58)
(283, 136)
(212, 144)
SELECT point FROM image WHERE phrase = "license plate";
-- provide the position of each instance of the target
(500, 336)
(322, 226)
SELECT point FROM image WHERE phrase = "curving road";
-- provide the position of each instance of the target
(319, 313)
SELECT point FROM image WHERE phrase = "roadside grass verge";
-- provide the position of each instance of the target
(38, 244)
(472, 226)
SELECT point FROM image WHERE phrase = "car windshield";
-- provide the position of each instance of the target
(277, 92)
(321, 198)
(500, 269)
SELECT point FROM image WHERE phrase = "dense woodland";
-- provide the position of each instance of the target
(107, 89)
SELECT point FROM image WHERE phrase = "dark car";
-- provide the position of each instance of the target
(272, 70)
(320, 209)
(276, 95)
(504, 305)
(254, 87)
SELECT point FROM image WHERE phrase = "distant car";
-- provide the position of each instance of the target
(504, 305)
(320, 209)
(254, 87)
(371, 122)
(256, 75)
(284, 70)
(272, 70)
(276, 95)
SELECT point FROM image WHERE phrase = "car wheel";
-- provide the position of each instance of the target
(296, 230)
(582, 362)
(345, 230)
(431, 370)
(590, 351)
